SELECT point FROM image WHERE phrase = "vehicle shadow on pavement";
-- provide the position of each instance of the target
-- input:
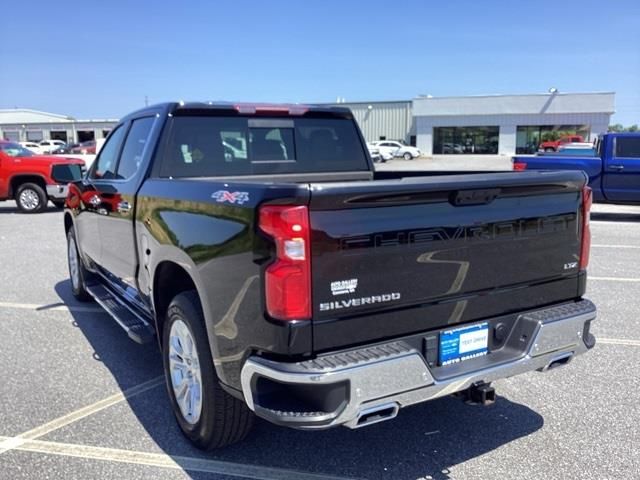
(423, 441)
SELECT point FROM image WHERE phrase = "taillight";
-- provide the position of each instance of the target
(587, 200)
(519, 166)
(288, 278)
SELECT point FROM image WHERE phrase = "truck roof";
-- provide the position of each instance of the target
(247, 108)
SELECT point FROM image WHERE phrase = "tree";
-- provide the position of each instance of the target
(618, 128)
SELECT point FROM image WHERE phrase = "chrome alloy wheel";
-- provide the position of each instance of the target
(184, 368)
(74, 265)
(29, 199)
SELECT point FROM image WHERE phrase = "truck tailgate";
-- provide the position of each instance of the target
(396, 257)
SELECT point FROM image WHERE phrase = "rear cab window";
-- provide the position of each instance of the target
(197, 146)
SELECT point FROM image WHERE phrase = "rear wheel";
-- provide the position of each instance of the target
(77, 272)
(206, 414)
(30, 198)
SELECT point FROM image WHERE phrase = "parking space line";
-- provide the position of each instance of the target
(163, 460)
(614, 279)
(618, 341)
(79, 414)
(637, 247)
(51, 308)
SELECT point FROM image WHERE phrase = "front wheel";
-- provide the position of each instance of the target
(30, 198)
(549, 149)
(407, 156)
(206, 414)
(77, 272)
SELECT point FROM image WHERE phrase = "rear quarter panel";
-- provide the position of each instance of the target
(215, 239)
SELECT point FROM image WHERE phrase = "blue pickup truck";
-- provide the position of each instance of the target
(613, 166)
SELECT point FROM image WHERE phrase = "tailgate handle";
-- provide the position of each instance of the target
(474, 197)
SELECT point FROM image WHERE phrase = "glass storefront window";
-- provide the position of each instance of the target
(465, 140)
(528, 138)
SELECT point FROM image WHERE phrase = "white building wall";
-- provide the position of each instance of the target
(509, 112)
(508, 124)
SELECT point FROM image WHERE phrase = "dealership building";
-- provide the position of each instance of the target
(24, 125)
(484, 124)
(472, 125)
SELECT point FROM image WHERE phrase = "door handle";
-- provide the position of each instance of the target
(616, 167)
(124, 207)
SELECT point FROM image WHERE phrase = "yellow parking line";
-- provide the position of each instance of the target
(162, 460)
(618, 341)
(613, 279)
(79, 414)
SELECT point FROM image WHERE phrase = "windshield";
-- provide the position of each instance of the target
(15, 150)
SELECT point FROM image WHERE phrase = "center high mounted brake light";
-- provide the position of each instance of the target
(288, 278)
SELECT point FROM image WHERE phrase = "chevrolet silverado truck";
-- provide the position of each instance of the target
(613, 166)
(32, 180)
(284, 277)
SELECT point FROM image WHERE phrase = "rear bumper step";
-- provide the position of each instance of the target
(368, 385)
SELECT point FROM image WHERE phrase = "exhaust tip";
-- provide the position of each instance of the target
(376, 414)
(559, 361)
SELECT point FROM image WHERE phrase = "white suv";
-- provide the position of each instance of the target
(48, 146)
(396, 149)
(32, 146)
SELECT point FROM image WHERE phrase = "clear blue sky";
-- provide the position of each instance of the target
(95, 59)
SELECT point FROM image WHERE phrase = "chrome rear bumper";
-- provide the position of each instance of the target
(347, 387)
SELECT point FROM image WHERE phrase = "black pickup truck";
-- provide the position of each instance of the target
(283, 277)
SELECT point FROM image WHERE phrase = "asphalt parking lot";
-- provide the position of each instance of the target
(80, 400)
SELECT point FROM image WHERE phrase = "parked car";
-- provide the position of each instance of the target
(32, 179)
(613, 167)
(300, 285)
(65, 149)
(576, 146)
(47, 146)
(448, 148)
(396, 149)
(85, 148)
(32, 146)
(553, 145)
(377, 156)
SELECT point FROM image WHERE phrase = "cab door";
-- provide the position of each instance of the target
(622, 170)
(119, 256)
(91, 193)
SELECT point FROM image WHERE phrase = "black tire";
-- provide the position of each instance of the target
(407, 156)
(30, 198)
(58, 203)
(549, 149)
(223, 418)
(78, 285)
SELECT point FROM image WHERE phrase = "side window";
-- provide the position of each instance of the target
(105, 166)
(628, 147)
(131, 156)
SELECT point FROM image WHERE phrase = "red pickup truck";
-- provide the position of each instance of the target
(553, 145)
(32, 179)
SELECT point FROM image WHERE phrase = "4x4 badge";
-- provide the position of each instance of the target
(223, 196)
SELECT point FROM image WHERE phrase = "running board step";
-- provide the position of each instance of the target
(138, 329)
